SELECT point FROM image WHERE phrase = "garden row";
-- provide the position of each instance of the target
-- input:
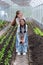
(7, 44)
(3, 24)
(35, 29)
(35, 52)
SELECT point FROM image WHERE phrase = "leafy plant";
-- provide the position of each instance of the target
(38, 31)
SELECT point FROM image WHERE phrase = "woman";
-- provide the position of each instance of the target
(22, 38)
(19, 15)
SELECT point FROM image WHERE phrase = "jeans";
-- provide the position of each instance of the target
(22, 48)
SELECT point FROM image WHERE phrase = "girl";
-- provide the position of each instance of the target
(22, 38)
(19, 15)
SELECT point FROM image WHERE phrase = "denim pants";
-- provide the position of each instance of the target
(22, 48)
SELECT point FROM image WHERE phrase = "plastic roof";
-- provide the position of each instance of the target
(35, 3)
(32, 3)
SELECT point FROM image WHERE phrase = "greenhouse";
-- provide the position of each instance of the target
(27, 47)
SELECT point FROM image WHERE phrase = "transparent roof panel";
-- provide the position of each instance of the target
(30, 8)
(35, 3)
(22, 2)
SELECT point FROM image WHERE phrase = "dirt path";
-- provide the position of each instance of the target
(21, 60)
(34, 42)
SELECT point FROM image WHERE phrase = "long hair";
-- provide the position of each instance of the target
(14, 21)
(24, 26)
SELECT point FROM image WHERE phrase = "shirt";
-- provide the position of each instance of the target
(18, 33)
(17, 20)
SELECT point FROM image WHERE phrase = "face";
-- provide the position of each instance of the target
(22, 22)
(20, 14)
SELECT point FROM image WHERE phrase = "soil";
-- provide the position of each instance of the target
(7, 36)
(35, 52)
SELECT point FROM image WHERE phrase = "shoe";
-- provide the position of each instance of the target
(16, 50)
(18, 53)
(24, 53)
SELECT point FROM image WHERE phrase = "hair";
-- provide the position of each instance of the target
(14, 21)
(24, 26)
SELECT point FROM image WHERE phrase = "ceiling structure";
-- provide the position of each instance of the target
(3, 4)
(8, 8)
(33, 3)
(22, 2)
(7, 3)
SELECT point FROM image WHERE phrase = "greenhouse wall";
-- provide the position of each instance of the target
(27, 11)
(37, 13)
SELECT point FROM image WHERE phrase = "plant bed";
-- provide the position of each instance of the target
(2, 43)
(7, 49)
(35, 52)
(38, 31)
(3, 49)
(35, 29)
(1, 37)
(9, 56)
(36, 48)
(10, 51)
(3, 24)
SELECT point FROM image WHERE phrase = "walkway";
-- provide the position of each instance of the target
(21, 60)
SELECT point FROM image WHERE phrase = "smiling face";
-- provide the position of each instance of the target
(20, 14)
(22, 22)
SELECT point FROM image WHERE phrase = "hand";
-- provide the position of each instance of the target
(22, 40)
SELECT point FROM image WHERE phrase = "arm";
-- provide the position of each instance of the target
(18, 35)
(26, 33)
(17, 21)
(13, 22)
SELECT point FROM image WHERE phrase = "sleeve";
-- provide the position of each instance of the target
(17, 21)
(25, 35)
(18, 35)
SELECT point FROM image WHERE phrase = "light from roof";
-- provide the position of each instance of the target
(35, 3)
(0, 7)
(2, 0)
(2, 13)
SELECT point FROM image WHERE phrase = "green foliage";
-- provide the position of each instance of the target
(35, 29)
(2, 24)
(6, 62)
(38, 31)
(9, 52)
